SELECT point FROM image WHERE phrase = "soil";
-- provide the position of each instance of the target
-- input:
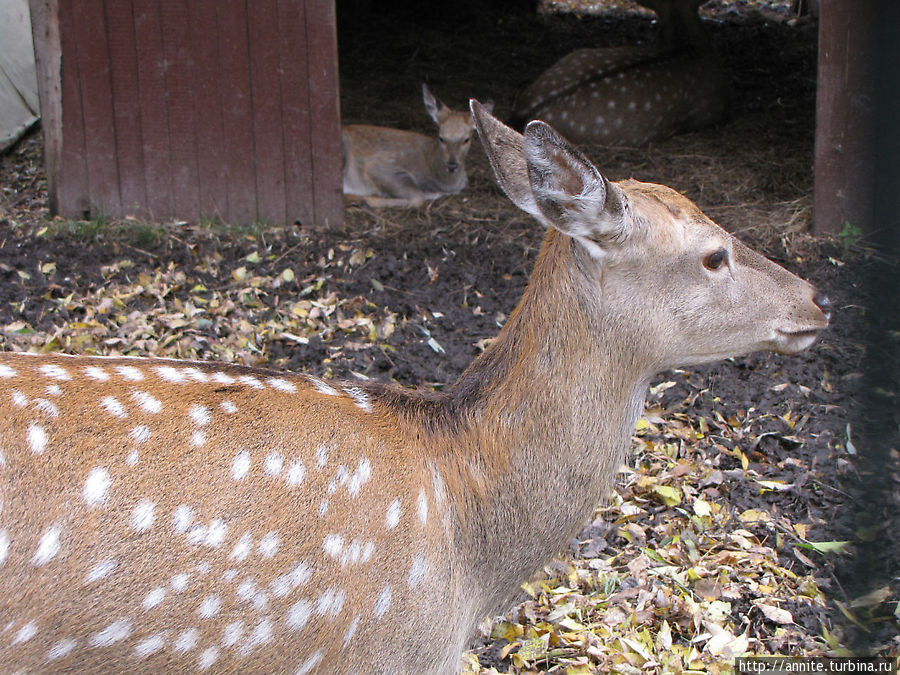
(453, 270)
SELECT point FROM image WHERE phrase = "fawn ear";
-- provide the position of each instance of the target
(504, 149)
(436, 109)
(571, 193)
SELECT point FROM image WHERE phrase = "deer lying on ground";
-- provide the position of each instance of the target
(165, 516)
(633, 95)
(392, 167)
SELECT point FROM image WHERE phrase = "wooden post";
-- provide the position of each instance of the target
(845, 116)
(191, 109)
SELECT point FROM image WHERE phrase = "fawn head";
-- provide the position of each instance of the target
(679, 288)
(454, 130)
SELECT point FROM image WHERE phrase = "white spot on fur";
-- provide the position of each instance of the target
(322, 387)
(360, 477)
(215, 534)
(233, 632)
(359, 397)
(210, 606)
(333, 544)
(251, 381)
(200, 415)
(25, 633)
(60, 649)
(422, 507)
(383, 603)
(222, 378)
(274, 464)
(208, 657)
(37, 439)
(196, 374)
(295, 473)
(20, 400)
(229, 407)
(114, 632)
(130, 373)
(141, 433)
(186, 641)
(47, 548)
(179, 582)
(46, 407)
(7, 372)
(351, 630)
(150, 645)
(298, 615)
(418, 570)
(241, 465)
(393, 514)
(182, 518)
(330, 602)
(281, 385)
(310, 663)
(54, 371)
(322, 455)
(143, 515)
(113, 406)
(242, 549)
(96, 373)
(198, 439)
(101, 570)
(153, 598)
(96, 486)
(170, 374)
(147, 402)
(268, 545)
(4, 546)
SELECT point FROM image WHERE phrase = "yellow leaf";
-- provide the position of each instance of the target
(753, 517)
(287, 274)
(667, 494)
(533, 649)
(702, 508)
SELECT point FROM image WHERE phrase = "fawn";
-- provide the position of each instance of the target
(392, 167)
(165, 516)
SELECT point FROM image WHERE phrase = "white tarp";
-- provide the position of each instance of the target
(19, 107)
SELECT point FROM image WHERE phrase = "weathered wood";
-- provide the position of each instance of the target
(265, 71)
(324, 109)
(191, 109)
(845, 116)
(297, 121)
(127, 111)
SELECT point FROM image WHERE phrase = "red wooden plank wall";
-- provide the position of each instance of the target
(191, 109)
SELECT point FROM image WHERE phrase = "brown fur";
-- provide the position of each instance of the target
(547, 410)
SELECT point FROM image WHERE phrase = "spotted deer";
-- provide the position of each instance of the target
(634, 95)
(393, 167)
(165, 516)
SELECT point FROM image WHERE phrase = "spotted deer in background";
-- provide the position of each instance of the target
(392, 167)
(165, 516)
(634, 95)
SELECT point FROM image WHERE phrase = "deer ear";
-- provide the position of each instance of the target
(573, 196)
(504, 150)
(433, 105)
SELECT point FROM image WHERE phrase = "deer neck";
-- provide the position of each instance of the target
(531, 472)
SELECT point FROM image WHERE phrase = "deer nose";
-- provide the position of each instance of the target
(452, 166)
(823, 303)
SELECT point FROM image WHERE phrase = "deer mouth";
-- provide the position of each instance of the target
(791, 342)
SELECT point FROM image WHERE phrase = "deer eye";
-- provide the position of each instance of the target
(715, 259)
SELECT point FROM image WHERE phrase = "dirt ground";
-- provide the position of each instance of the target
(412, 295)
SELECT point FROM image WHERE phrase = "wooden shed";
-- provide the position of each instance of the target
(191, 109)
